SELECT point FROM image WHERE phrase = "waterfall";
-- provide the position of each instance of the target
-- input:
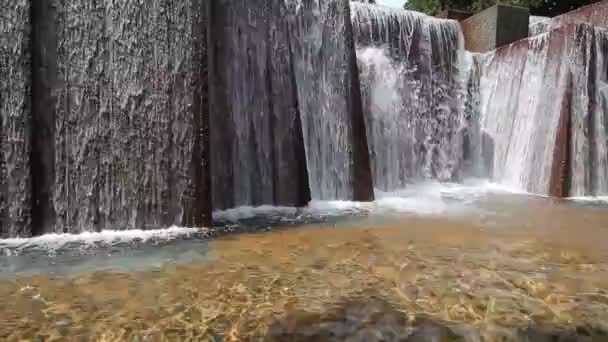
(111, 92)
(538, 25)
(258, 154)
(543, 102)
(285, 107)
(15, 110)
(329, 98)
(414, 75)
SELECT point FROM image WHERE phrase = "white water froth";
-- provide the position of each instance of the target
(597, 199)
(247, 212)
(51, 242)
(430, 198)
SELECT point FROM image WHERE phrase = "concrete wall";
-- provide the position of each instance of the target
(495, 27)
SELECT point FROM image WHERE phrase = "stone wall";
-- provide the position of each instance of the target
(495, 27)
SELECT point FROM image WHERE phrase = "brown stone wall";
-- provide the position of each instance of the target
(559, 182)
(480, 31)
(495, 27)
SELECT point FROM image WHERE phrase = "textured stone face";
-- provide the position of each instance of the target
(495, 27)
(15, 125)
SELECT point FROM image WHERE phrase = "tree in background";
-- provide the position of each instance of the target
(548, 8)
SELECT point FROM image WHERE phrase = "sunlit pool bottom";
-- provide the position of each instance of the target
(490, 267)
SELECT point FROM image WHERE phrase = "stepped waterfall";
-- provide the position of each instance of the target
(130, 115)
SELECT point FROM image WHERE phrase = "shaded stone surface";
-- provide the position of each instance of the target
(15, 124)
(495, 27)
(258, 152)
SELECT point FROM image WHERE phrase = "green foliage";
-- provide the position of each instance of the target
(537, 7)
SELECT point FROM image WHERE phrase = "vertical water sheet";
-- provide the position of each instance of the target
(15, 125)
(519, 87)
(329, 99)
(258, 152)
(117, 88)
(414, 82)
(589, 165)
(543, 102)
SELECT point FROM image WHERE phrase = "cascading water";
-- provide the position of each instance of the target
(542, 101)
(15, 181)
(538, 25)
(285, 111)
(413, 75)
(115, 96)
(258, 154)
(103, 109)
(329, 98)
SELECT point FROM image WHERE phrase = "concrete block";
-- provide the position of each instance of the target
(495, 27)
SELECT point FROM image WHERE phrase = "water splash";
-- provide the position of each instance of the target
(412, 74)
(526, 90)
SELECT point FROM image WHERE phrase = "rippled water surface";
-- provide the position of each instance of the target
(434, 263)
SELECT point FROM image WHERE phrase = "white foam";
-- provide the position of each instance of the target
(246, 212)
(431, 198)
(107, 237)
(602, 199)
